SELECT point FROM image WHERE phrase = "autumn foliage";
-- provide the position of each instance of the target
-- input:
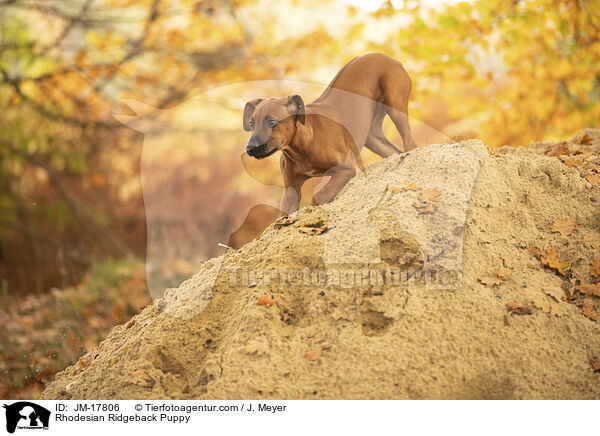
(504, 71)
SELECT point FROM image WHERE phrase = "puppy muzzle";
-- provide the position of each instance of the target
(259, 151)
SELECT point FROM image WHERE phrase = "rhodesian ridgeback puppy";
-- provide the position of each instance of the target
(324, 138)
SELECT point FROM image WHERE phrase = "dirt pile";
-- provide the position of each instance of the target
(449, 272)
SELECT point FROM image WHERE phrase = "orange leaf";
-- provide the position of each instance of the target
(595, 363)
(592, 178)
(588, 309)
(589, 289)
(595, 267)
(572, 162)
(557, 149)
(266, 301)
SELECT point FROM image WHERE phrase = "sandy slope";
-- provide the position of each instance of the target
(324, 332)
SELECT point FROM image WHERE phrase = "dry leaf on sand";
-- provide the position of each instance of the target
(595, 267)
(595, 364)
(564, 227)
(588, 309)
(592, 178)
(589, 289)
(517, 309)
(283, 222)
(266, 301)
(573, 162)
(550, 259)
(557, 149)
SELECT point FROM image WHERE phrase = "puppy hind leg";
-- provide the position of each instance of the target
(376, 141)
(381, 146)
(400, 119)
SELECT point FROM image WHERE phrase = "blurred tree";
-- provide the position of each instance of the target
(62, 163)
(508, 71)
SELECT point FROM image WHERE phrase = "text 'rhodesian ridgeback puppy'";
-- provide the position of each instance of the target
(324, 138)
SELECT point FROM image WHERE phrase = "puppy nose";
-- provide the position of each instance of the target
(252, 145)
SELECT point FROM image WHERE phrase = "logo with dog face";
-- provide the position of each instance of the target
(26, 415)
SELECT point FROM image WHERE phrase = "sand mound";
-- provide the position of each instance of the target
(448, 272)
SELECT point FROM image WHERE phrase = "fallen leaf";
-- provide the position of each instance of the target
(314, 354)
(585, 139)
(551, 259)
(588, 309)
(143, 378)
(517, 309)
(557, 149)
(315, 227)
(406, 186)
(592, 178)
(266, 301)
(595, 267)
(555, 293)
(283, 222)
(564, 227)
(257, 346)
(589, 289)
(572, 162)
(595, 364)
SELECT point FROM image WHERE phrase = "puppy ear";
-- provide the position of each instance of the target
(296, 107)
(249, 111)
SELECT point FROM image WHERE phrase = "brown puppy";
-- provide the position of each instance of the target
(324, 138)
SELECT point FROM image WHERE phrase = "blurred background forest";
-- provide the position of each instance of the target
(84, 83)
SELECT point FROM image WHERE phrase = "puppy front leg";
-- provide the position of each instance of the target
(339, 178)
(290, 200)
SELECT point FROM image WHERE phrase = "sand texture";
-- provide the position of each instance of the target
(446, 273)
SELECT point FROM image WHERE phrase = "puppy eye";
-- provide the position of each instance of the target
(273, 123)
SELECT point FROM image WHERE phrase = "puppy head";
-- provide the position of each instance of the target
(272, 123)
